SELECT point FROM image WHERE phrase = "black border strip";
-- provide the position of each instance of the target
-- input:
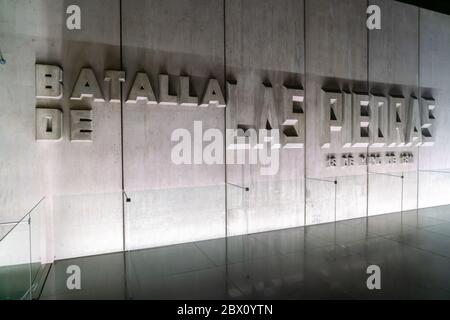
(442, 6)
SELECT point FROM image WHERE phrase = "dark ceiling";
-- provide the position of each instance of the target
(442, 6)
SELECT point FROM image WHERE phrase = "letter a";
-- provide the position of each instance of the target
(73, 21)
(74, 280)
(374, 281)
(374, 20)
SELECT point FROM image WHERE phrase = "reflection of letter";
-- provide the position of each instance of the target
(164, 96)
(81, 125)
(413, 133)
(114, 78)
(379, 121)
(294, 118)
(142, 90)
(427, 120)
(48, 82)
(397, 120)
(331, 115)
(213, 95)
(361, 116)
(185, 97)
(269, 118)
(87, 87)
(48, 124)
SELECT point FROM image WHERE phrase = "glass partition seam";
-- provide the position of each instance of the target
(401, 203)
(225, 114)
(225, 143)
(335, 201)
(368, 91)
(306, 112)
(31, 258)
(121, 128)
(124, 195)
(420, 104)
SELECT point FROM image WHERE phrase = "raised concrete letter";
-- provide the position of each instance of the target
(87, 87)
(48, 124)
(142, 90)
(114, 78)
(48, 82)
(81, 125)
(213, 95)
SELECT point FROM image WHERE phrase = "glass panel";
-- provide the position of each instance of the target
(238, 199)
(277, 204)
(175, 182)
(266, 110)
(336, 80)
(15, 279)
(37, 245)
(21, 244)
(169, 216)
(320, 201)
(410, 189)
(439, 181)
(88, 234)
(163, 236)
(351, 197)
(385, 193)
(266, 106)
(434, 151)
(61, 125)
(393, 82)
(79, 219)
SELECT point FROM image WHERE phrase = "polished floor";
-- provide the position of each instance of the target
(327, 261)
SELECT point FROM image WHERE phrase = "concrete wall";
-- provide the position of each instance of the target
(168, 200)
(264, 44)
(81, 181)
(336, 59)
(308, 44)
(434, 81)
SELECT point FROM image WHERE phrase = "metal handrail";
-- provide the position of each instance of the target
(238, 186)
(387, 174)
(436, 171)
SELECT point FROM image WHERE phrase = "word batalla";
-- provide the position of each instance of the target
(49, 86)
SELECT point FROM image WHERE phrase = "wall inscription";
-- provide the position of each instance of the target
(357, 120)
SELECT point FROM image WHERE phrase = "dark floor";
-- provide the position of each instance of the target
(316, 262)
